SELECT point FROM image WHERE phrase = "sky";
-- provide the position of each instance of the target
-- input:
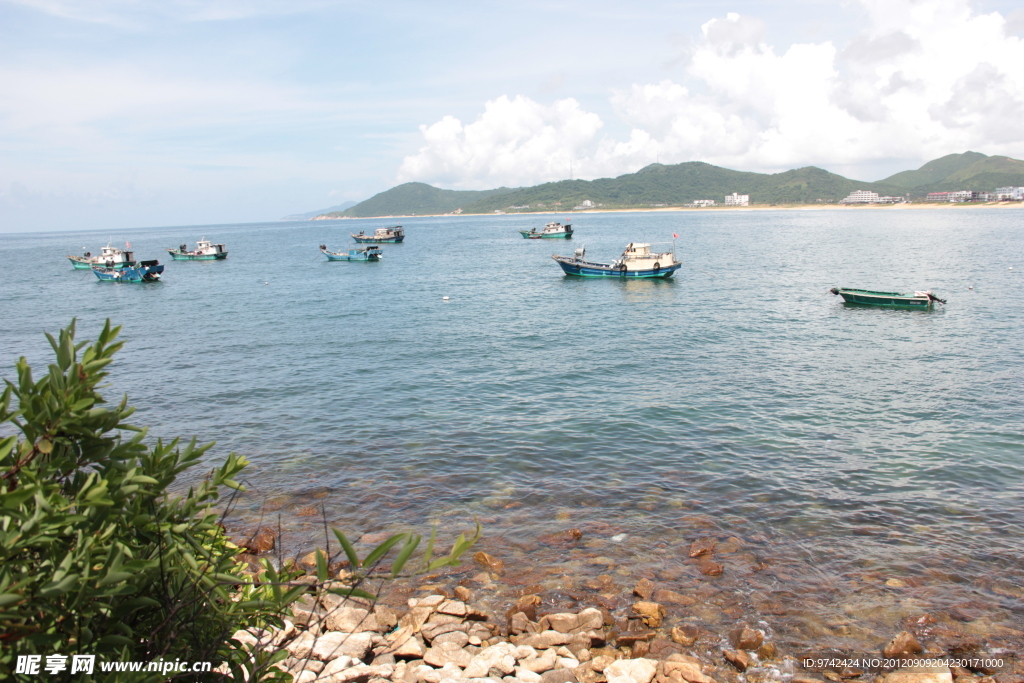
(132, 113)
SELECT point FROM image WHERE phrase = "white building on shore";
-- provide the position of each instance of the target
(737, 199)
(1009, 194)
(866, 197)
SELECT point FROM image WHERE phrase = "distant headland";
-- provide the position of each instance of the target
(955, 179)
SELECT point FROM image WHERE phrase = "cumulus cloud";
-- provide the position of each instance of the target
(922, 79)
(514, 141)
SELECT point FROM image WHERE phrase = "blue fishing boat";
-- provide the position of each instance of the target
(394, 234)
(550, 231)
(361, 254)
(637, 261)
(144, 271)
(204, 251)
(867, 297)
(109, 257)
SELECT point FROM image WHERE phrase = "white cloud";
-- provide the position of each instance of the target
(922, 79)
(514, 141)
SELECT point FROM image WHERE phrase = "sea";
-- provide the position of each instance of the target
(860, 468)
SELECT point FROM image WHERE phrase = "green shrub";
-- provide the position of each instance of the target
(97, 557)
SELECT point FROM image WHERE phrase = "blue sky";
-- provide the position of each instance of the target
(124, 113)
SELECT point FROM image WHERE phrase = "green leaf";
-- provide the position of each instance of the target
(404, 553)
(382, 549)
(350, 552)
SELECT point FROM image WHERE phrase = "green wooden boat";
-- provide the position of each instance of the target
(867, 297)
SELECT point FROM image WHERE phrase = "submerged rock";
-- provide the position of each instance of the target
(902, 644)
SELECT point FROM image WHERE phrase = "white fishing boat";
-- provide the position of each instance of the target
(637, 261)
(109, 257)
(204, 251)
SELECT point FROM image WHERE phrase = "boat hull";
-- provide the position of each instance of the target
(586, 269)
(527, 235)
(178, 256)
(343, 257)
(374, 240)
(84, 264)
(129, 274)
(863, 297)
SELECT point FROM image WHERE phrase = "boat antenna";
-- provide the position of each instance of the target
(570, 168)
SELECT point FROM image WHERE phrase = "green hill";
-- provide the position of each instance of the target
(416, 199)
(678, 184)
(967, 171)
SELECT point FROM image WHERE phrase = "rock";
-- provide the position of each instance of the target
(405, 644)
(519, 623)
(453, 607)
(558, 676)
(526, 676)
(685, 668)
(544, 640)
(447, 653)
(630, 638)
(564, 539)
(333, 645)
(463, 593)
(745, 638)
(685, 635)
(650, 612)
(302, 646)
(805, 679)
(643, 589)
(901, 645)
(545, 662)
(586, 641)
(660, 648)
(767, 651)
(498, 657)
(701, 547)
(294, 666)
(738, 658)
(489, 562)
(673, 598)
(415, 618)
(527, 604)
(448, 671)
(260, 542)
(601, 662)
(709, 567)
(338, 672)
(341, 617)
(387, 618)
(634, 670)
(919, 674)
(460, 638)
(586, 620)
(306, 610)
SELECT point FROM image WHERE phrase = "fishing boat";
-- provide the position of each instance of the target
(550, 230)
(204, 251)
(393, 234)
(892, 299)
(362, 254)
(637, 261)
(144, 271)
(109, 257)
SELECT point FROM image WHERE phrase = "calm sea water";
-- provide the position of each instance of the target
(842, 446)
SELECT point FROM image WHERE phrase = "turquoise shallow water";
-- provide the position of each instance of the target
(844, 446)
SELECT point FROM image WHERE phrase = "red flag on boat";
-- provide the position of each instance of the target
(127, 244)
(675, 235)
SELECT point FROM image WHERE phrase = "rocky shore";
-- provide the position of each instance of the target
(441, 629)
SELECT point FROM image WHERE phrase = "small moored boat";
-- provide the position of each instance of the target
(393, 234)
(362, 254)
(109, 257)
(144, 271)
(550, 230)
(204, 251)
(893, 299)
(637, 261)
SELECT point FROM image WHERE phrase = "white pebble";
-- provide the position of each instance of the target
(618, 538)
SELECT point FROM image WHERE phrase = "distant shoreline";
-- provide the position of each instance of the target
(663, 209)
